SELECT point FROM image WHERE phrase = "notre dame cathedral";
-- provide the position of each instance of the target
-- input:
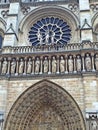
(48, 64)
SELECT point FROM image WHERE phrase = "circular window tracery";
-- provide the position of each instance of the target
(49, 30)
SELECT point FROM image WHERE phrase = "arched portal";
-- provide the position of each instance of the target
(45, 106)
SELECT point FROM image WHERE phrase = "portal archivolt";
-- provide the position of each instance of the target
(45, 106)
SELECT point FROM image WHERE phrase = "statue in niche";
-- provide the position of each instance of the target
(45, 63)
(88, 62)
(78, 63)
(39, 36)
(47, 37)
(13, 66)
(54, 65)
(94, 125)
(21, 66)
(96, 62)
(4, 66)
(29, 66)
(62, 64)
(70, 64)
(37, 65)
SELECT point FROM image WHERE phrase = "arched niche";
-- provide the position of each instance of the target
(48, 11)
(45, 105)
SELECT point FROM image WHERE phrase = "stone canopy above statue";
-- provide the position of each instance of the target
(49, 30)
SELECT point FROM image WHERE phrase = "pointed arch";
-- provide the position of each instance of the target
(44, 94)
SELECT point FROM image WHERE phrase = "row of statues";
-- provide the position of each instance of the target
(46, 65)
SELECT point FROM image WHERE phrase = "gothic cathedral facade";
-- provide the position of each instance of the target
(48, 64)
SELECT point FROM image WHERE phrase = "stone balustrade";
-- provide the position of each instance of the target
(50, 48)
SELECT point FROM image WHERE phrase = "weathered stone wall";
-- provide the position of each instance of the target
(83, 89)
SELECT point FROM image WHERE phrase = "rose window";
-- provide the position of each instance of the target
(49, 30)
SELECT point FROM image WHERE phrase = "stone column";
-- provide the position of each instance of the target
(83, 63)
(66, 66)
(33, 65)
(58, 64)
(85, 21)
(74, 57)
(49, 72)
(41, 64)
(17, 65)
(10, 38)
(25, 66)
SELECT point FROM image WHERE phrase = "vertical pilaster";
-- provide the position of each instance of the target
(66, 62)
(33, 65)
(85, 21)
(41, 62)
(10, 38)
(49, 65)
(58, 64)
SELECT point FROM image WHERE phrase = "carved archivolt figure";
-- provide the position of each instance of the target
(13, 66)
(88, 62)
(45, 63)
(70, 64)
(29, 66)
(4, 66)
(78, 63)
(37, 65)
(54, 65)
(21, 66)
(96, 62)
(62, 64)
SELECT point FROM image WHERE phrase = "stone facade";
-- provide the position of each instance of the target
(48, 64)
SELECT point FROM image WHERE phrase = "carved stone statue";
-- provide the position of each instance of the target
(94, 125)
(29, 66)
(47, 37)
(13, 66)
(45, 63)
(96, 62)
(88, 62)
(62, 64)
(4, 66)
(37, 65)
(39, 35)
(21, 66)
(54, 65)
(78, 63)
(70, 64)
